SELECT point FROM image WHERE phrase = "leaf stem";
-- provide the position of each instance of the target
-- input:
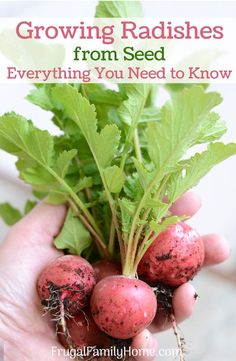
(131, 133)
(44, 163)
(87, 190)
(83, 92)
(137, 147)
(147, 241)
(77, 200)
(114, 219)
(146, 214)
(99, 242)
(134, 239)
(142, 248)
(111, 243)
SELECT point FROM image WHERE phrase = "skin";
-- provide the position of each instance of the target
(28, 249)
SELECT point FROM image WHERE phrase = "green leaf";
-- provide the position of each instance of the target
(118, 9)
(9, 214)
(99, 95)
(128, 209)
(37, 176)
(131, 109)
(35, 149)
(144, 176)
(157, 228)
(176, 87)
(114, 178)
(17, 135)
(39, 195)
(213, 130)
(40, 96)
(29, 205)
(151, 114)
(159, 211)
(64, 161)
(130, 113)
(83, 183)
(133, 188)
(56, 197)
(104, 144)
(154, 203)
(74, 237)
(183, 123)
(197, 167)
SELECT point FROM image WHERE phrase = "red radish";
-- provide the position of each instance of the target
(66, 283)
(174, 257)
(122, 307)
(83, 332)
(105, 268)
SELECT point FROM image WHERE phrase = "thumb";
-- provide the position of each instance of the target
(144, 346)
(30, 241)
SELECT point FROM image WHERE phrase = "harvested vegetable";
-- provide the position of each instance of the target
(174, 258)
(64, 287)
(82, 332)
(104, 268)
(123, 307)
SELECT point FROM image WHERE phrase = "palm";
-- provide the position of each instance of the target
(20, 307)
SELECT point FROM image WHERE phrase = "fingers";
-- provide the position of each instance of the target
(183, 303)
(188, 204)
(144, 346)
(216, 249)
(184, 298)
(41, 225)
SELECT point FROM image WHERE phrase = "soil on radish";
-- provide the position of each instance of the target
(164, 295)
(67, 281)
(122, 307)
(174, 258)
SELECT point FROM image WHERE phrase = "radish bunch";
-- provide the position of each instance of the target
(94, 304)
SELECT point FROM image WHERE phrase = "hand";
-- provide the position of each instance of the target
(25, 253)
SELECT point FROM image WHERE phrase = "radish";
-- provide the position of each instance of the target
(122, 307)
(175, 257)
(83, 332)
(65, 285)
(104, 268)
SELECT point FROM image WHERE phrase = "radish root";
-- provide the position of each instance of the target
(180, 340)
(164, 295)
